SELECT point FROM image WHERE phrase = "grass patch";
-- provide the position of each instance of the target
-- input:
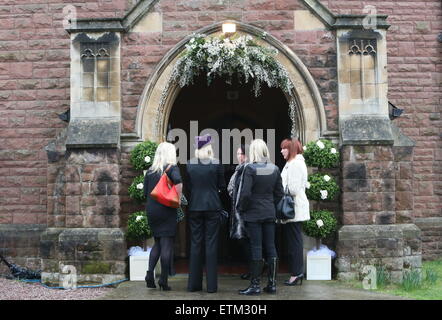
(383, 277)
(425, 284)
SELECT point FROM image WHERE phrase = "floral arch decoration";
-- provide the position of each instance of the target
(239, 56)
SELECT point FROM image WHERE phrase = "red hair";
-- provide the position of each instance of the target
(294, 146)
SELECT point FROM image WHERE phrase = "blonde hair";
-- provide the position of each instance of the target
(204, 153)
(258, 151)
(164, 155)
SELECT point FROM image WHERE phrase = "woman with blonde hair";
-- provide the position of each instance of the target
(261, 192)
(162, 219)
(294, 176)
(205, 176)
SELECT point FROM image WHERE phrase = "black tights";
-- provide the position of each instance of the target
(163, 247)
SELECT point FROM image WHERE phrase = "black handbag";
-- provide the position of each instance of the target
(285, 209)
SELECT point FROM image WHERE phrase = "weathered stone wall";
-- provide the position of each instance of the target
(34, 87)
(370, 177)
(21, 241)
(84, 191)
(431, 229)
(414, 84)
(98, 254)
(34, 90)
(379, 228)
(395, 247)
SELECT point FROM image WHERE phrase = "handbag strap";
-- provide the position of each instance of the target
(286, 191)
(240, 185)
(167, 169)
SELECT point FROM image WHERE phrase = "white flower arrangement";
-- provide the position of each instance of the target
(140, 186)
(241, 57)
(307, 185)
(333, 150)
(327, 178)
(320, 144)
(147, 159)
(324, 194)
(139, 218)
(319, 223)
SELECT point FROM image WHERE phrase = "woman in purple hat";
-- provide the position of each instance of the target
(205, 176)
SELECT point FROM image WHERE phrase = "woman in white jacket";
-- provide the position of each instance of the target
(294, 175)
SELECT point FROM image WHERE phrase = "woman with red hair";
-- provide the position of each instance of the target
(294, 176)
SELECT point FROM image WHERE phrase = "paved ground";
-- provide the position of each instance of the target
(228, 286)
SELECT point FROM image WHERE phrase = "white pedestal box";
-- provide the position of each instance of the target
(138, 266)
(319, 267)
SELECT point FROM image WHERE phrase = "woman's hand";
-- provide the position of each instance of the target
(179, 189)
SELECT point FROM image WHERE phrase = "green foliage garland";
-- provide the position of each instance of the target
(139, 154)
(321, 224)
(321, 154)
(317, 183)
(135, 192)
(138, 228)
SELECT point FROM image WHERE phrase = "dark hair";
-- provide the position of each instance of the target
(244, 148)
(294, 146)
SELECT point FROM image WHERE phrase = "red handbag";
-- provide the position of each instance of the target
(165, 192)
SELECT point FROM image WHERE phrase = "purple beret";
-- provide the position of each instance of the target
(201, 141)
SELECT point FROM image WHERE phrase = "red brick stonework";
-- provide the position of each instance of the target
(35, 89)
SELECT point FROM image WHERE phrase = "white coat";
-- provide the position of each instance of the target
(294, 175)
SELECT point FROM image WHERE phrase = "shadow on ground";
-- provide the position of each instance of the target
(229, 285)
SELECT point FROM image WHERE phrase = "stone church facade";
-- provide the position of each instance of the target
(63, 185)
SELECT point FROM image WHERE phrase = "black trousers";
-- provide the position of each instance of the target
(204, 231)
(262, 234)
(295, 245)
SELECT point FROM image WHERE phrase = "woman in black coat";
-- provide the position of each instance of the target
(162, 219)
(205, 180)
(261, 191)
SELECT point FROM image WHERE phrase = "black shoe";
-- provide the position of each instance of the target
(254, 287)
(297, 280)
(271, 284)
(195, 289)
(150, 280)
(163, 285)
(245, 276)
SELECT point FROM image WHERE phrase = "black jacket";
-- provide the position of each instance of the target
(205, 181)
(261, 191)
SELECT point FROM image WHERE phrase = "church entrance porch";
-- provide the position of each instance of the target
(219, 107)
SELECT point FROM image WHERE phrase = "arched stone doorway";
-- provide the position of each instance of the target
(152, 120)
(218, 107)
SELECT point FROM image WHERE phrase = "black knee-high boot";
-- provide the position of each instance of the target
(271, 283)
(255, 277)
